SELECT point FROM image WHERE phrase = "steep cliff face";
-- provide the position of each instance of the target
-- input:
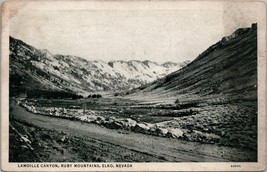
(31, 68)
(227, 69)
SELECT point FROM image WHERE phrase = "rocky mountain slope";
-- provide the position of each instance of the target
(215, 96)
(31, 68)
(227, 69)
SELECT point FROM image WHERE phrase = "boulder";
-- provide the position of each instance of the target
(113, 125)
(88, 118)
(127, 123)
(152, 128)
(141, 128)
(161, 131)
(110, 119)
(175, 133)
(83, 118)
(99, 119)
(56, 113)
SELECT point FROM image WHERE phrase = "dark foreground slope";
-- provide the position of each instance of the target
(227, 70)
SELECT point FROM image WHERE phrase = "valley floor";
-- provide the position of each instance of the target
(48, 139)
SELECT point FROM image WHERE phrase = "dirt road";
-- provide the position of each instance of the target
(145, 147)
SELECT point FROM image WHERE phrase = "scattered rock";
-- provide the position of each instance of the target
(202, 137)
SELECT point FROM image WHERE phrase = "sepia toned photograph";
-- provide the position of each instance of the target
(121, 85)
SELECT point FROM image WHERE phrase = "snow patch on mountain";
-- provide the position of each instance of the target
(77, 74)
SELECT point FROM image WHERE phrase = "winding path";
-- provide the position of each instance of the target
(171, 149)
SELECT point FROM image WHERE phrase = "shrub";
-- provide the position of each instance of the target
(98, 96)
(94, 96)
(177, 101)
(116, 94)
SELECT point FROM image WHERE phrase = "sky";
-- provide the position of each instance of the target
(156, 35)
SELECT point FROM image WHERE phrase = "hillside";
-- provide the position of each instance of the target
(31, 68)
(213, 97)
(227, 70)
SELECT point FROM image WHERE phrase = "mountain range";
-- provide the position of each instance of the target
(227, 69)
(32, 68)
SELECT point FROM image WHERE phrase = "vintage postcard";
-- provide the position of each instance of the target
(133, 85)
